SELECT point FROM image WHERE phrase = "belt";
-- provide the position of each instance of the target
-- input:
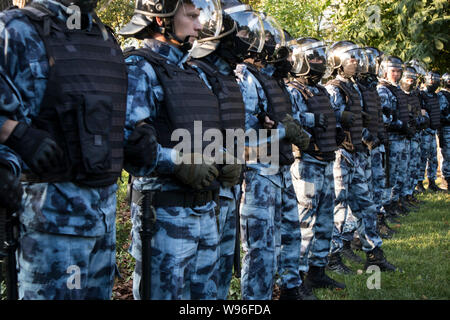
(178, 198)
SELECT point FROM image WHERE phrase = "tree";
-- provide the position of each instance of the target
(407, 28)
(116, 13)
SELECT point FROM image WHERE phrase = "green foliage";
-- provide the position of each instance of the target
(116, 13)
(407, 28)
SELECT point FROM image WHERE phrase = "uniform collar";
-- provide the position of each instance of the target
(170, 52)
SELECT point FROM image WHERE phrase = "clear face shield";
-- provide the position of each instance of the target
(409, 80)
(250, 29)
(308, 57)
(354, 59)
(372, 62)
(274, 38)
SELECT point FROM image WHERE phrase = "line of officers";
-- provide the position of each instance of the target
(74, 113)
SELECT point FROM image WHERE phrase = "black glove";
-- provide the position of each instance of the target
(141, 147)
(407, 129)
(10, 189)
(262, 119)
(320, 121)
(347, 119)
(36, 148)
(197, 176)
(230, 174)
(295, 133)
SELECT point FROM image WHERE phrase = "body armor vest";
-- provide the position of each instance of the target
(372, 106)
(186, 98)
(414, 106)
(84, 104)
(278, 106)
(353, 139)
(323, 143)
(433, 109)
(402, 113)
(226, 89)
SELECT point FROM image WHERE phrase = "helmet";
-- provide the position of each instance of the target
(210, 18)
(347, 58)
(409, 79)
(432, 80)
(308, 56)
(374, 57)
(275, 49)
(388, 63)
(242, 33)
(84, 5)
(445, 80)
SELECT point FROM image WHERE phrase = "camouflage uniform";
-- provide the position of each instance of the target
(314, 188)
(185, 242)
(269, 219)
(444, 104)
(229, 199)
(399, 152)
(67, 232)
(351, 188)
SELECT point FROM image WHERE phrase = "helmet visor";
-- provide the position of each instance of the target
(311, 56)
(250, 28)
(209, 15)
(355, 56)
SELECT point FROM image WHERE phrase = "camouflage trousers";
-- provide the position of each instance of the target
(398, 165)
(428, 156)
(61, 267)
(227, 239)
(378, 177)
(314, 187)
(406, 158)
(184, 253)
(445, 149)
(413, 164)
(352, 192)
(270, 234)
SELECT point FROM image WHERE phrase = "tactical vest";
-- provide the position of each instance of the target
(353, 139)
(414, 106)
(402, 112)
(323, 143)
(434, 110)
(279, 104)
(186, 98)
(84, 104)
(372, 105)
(227, 91)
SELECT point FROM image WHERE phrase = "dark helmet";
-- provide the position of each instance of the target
(308, 56)
(432, 81)
(85, 5)
(374, 58)
(411, 74)
(347, 58)
(275, 49)
(390, 62)
(445, 80)
(143, 21)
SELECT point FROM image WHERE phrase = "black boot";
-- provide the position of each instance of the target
(290, 294)
(376, 257)
(420, 187)
(433, 187)
(335, 264)
(411, 201)
(382, 228)
(306, 292)
(316, 278)
(402, 208)
(348, 253)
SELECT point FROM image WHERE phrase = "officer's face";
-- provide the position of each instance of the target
(186, 22)
(394, 74)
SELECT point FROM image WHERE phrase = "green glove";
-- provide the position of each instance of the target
(197, 176)
(347, 119)
(295, 133)
(230, 174)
